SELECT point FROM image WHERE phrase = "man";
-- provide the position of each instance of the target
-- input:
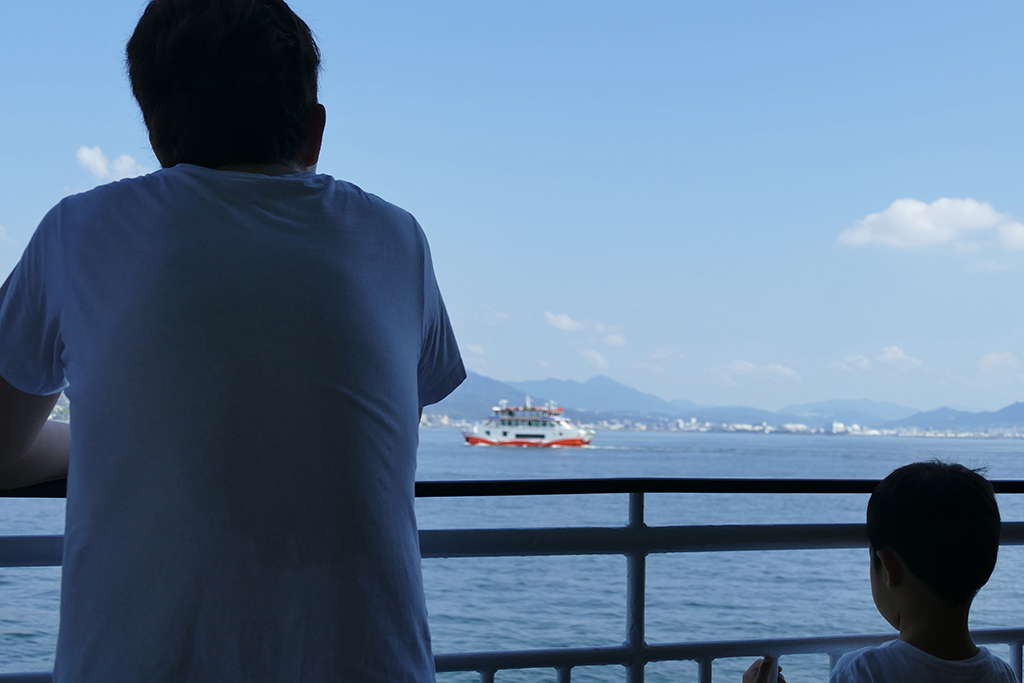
(245, 344)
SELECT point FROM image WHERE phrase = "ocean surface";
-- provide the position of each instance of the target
(514, 603)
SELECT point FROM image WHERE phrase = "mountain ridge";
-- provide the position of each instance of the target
(604, 398)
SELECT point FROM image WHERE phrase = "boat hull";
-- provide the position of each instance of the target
(474, 440)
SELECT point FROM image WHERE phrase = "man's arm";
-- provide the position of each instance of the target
(32, 449)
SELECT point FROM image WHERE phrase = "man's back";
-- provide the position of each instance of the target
(245, 356)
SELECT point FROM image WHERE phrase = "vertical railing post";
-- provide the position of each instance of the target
(773, 675)
(636, 580)
(486, 677)
(704, 670)
(1015, 658)
(564, 674)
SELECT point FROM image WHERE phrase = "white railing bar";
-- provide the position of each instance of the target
(46, 551)
(703, 652)
(645, 540)
(802, 646)
(31, 551)
(552, 658)
(626, 541)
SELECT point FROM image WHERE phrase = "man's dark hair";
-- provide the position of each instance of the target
(943, 521)
(223, 81)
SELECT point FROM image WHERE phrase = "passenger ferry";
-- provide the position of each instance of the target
(528, 425)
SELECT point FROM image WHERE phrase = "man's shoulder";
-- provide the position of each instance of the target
(372, 202)
(112, 196)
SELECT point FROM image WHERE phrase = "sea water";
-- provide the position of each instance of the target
(521, 602)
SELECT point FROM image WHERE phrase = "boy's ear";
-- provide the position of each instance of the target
(892, 565)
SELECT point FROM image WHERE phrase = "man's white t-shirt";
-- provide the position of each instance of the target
(900, 662)
(245, 356)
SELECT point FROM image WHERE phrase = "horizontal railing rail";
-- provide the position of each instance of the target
(477, 488)
(701, 652)
(635, 541)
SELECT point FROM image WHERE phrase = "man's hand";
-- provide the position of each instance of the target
(760, 671)
(32, 449)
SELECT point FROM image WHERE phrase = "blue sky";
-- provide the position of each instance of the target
(733, 203)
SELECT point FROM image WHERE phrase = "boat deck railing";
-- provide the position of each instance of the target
(635, 540)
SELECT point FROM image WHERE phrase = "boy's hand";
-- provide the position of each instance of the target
(760, 670)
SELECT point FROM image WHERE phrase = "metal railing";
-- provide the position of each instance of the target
(635, 541)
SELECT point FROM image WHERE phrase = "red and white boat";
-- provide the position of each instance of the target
(527, 425)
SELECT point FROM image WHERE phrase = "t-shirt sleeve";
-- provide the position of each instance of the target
(440, 368)
(30, 340)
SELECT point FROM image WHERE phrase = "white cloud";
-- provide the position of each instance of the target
(596, 358)
(987, 267)
(898, 358)
(966, 247)
(779, 370)
(5, 238)
(474, 348)
(647, 366)
(853, 362)
(727, 373)
(912, 224)
(1011, 235)
(996, 361)
(95, 161)
(614, 339)
(564, 322)
(666, 354)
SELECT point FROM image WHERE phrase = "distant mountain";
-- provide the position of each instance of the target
(604, 398)
(476, 396)
(739, 415)
(683, 404)
(600, 394)
(864, 411)
(947, 418)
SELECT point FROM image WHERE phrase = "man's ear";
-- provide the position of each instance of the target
(892, 565)
(316, 120)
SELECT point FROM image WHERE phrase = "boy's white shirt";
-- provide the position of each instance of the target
(899, 661)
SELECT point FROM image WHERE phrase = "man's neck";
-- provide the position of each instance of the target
(263, 169)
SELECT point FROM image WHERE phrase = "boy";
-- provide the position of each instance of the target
(246, 345)
(933, 530)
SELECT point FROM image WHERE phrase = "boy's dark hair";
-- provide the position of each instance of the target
(223, 81)
(943, 521)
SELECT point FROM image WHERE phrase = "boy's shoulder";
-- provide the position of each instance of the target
(866, 664)
(897, 660)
